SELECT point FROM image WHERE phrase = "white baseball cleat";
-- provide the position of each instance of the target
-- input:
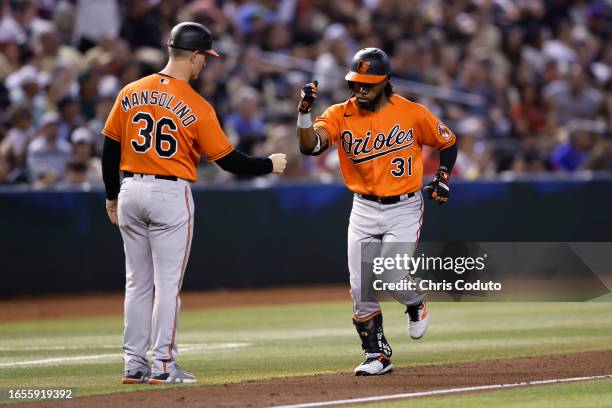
(418, 319)
(176, 375)
(374, 364)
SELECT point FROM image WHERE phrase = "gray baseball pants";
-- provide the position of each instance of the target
(394, 227)
(156, 223)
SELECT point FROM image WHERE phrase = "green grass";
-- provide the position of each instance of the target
(281, 341)
(592, 394)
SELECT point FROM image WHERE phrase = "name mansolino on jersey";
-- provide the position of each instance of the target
(162, 99)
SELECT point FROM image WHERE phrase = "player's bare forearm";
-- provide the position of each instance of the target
(312, 141)
(307, 138)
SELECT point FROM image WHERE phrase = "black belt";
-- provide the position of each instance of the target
(171, 178)
(386, 200)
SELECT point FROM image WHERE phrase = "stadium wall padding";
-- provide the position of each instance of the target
(62, 242)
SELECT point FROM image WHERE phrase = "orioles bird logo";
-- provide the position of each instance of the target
(443, 131)
(362, 66)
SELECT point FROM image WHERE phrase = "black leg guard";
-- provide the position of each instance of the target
(372, 337)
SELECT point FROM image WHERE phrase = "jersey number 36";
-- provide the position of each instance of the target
(166, 145)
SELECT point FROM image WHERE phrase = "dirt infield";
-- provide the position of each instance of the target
(87, 305)
(320, 388)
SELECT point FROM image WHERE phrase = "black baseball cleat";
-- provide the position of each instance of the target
(374, 364)
(138, 375)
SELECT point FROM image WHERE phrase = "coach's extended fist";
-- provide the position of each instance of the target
(309, 94)
(438, 189)
(279, 162)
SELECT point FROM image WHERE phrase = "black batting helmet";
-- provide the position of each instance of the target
(192, 36)
(369, 65)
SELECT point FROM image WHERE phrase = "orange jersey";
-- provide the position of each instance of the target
(163, 125)
(380, 152)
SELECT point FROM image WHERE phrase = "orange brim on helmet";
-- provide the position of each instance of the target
(212, 52)
(364, 78)
(370, 66)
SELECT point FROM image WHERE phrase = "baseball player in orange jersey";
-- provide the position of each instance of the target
(380, 137)
(154, 134)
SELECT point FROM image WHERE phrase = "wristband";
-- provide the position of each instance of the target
(304, 121)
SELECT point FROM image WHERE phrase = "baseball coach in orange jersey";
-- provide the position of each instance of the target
(380, 136)
(157, 130)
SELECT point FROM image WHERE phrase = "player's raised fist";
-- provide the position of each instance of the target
(309, 94)
(438, 189)
(279, 162)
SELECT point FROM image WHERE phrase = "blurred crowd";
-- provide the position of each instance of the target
(541, 72)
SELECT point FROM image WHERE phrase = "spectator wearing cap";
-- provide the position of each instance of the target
(251, 21)
(83, 144)
(48, 155)
(25, 89)
(23, 85)
(70, 116)
(13, 147)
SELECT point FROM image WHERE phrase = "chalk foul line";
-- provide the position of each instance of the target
(443, 392)
(115, 356)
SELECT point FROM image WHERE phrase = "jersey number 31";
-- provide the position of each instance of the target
(402, 166)
(165, 144)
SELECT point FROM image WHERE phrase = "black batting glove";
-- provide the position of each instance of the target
(438, 189)
(309, 94)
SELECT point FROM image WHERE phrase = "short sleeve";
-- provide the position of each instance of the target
(112, 127)
(330, 121)
(211, 138)
(434, 132)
